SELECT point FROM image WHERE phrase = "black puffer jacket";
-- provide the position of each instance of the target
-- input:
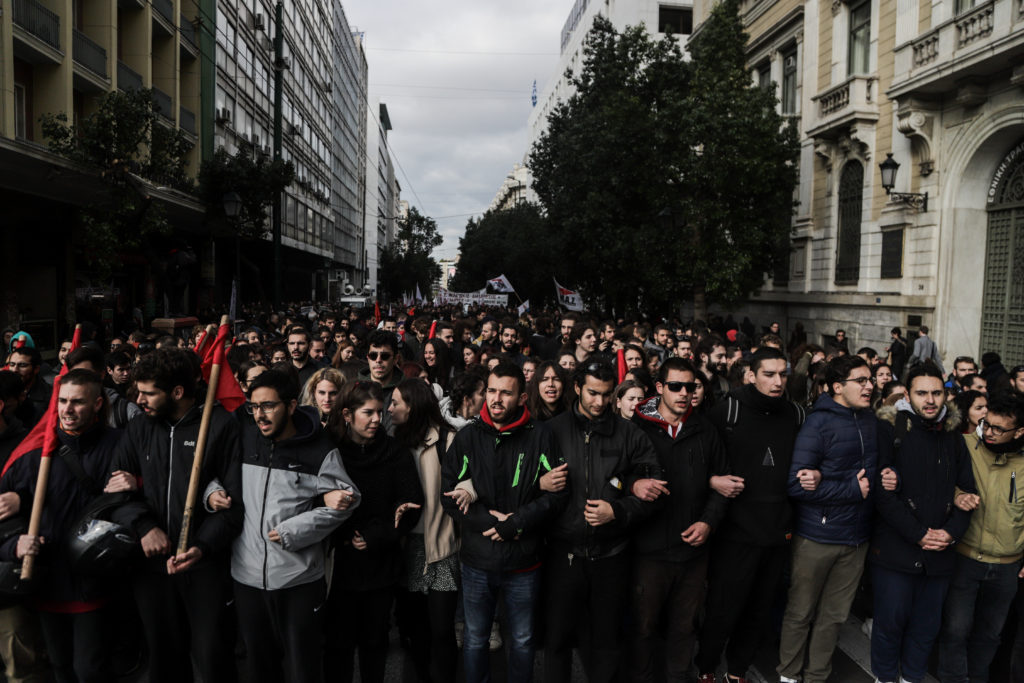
(385, 474)
(931, 462)
(66, 500)
(604, 456)
(505, 466)
(687, 461)
(160, 455)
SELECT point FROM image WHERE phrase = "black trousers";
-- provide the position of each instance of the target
(357, 619)
(78, 646)
(432, 621)
(283, 632)
(585, 604)
(183, 617)
(743, 583)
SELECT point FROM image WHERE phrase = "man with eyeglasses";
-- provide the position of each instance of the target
(988, 556)
(181, 597)
(383, 358)
(835, 458)
(916, 526)
(588, 562)
(296, 492)
(758, 425)
(671, 557)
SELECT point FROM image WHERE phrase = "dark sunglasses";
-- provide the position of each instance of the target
(383, 355)
(676, 387)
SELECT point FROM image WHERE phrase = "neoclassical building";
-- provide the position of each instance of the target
(939, 85)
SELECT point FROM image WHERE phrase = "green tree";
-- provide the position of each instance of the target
(124, 143)
(407, 262)
(254, 176)
(512, 242)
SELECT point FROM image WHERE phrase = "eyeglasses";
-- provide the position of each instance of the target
(676, 387)
(267, 407)
(996, 431)
(382, 355)
(862, 381)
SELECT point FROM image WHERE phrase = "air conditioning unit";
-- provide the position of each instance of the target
(223, 115)
(348, 289)
(340, 274)
(284, 64)
(295, 129)
(328, 88)
(367, 290)
(266, 150)
(259, 23)
(255, 140)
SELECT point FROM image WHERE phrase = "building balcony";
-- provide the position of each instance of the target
(127, 79)
(163, 16)
(189, 43)
(976, 44)
(89, 54)
(852, 101)
(36, 32)
(163, 104)
(187, 120)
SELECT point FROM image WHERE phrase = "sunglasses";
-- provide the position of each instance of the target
(676, 387)
(382, 355)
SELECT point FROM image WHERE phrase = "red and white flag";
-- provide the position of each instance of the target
(501, 285)
(568, 298)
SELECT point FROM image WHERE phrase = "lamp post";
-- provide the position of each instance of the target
(232, 208)
(888, 168)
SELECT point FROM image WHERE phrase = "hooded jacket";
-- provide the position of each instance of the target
(386, 476)
(996, 531)
(603, 455)
(759, 433)
(283, 483)
(505, 465)
(931, 462)
(839, 442)
(60, 589)
(687, 462)
(159, 453)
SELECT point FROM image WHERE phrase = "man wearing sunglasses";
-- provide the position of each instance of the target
(988, 559)
(835, 458)
(671, 558)
(383, 359)
(758, 426)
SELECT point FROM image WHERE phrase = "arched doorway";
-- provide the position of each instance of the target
(1002, 312)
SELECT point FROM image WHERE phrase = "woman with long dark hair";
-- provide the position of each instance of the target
(545, 396)
(438, 362)
(431, 557)
(368, 556)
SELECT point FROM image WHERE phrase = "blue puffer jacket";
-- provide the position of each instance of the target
(839, 442)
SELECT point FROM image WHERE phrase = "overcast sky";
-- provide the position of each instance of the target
(456, 76)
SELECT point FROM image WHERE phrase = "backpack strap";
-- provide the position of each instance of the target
(801, 413)
(732, 411)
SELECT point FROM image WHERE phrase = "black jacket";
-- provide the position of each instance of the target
(66, 500)
(931, 462)
(505, 467)
(160, 454)
(758, 432)
(604, 457)
(687, 461)
(11, 437)
(385, 474)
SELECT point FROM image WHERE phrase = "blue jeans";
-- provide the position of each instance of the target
(479, 597)
(976, 607)
(908, 613)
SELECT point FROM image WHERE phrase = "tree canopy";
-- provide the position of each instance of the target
(254, 176)
(407, 263)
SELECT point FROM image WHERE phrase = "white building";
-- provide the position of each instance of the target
(382, 190)
(513, 190)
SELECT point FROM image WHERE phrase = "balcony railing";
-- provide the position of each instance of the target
(974, 25)
(926, 49)
(854, 91)
(37, 20)
(163, 104)
(165, 8)
(188, 31)
(187, 120)
(88, 54)
(127, 79)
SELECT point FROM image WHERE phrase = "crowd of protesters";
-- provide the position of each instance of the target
(664, 499)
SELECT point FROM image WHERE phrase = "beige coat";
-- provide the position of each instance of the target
(439, 536)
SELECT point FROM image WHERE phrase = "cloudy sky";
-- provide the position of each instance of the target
(456, 76)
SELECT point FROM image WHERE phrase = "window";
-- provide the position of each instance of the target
(677, 20)
(892, 253)
(963, 5)
(764, 75)
(851, 195)
(789, 81)
(20, 117)
(860, 38)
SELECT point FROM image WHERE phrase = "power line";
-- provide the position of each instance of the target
(465, 52)
(446, 87)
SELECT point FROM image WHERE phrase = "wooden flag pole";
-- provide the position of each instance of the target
(197, 459)
(43, 478)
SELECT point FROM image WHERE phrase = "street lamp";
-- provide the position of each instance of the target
(889, 167)
(232, 208)
(232, 205)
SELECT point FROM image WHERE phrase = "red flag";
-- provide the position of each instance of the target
(44, 434)
(433, 329)
(227, 390)
(200, 344)
(376, 312)
(620, 359)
